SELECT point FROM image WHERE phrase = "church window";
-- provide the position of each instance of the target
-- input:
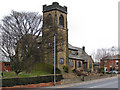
(61, 60)
(90, 65)
(71, 63)
(61, 21)
(48, 44)
(79, 64)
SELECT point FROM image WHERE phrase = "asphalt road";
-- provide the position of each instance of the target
(102, 84)
(107, 83)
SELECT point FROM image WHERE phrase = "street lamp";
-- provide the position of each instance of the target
(54, 58)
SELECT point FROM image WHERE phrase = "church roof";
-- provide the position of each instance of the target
(82, 55)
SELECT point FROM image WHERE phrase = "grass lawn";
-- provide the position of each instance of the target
(36, 70)
(23, 74)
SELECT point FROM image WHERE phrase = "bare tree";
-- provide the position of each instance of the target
(104, 52)
(20, 32)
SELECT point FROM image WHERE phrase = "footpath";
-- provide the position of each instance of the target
(82, 83)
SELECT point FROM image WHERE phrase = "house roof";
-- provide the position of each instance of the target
(116, 57)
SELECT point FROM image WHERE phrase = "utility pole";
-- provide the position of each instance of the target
(54, 58)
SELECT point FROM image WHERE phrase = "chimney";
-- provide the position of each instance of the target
(83, 48)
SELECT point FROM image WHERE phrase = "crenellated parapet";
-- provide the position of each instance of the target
(54, 6)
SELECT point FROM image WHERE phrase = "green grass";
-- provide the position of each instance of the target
(36, 70)
(23, 74)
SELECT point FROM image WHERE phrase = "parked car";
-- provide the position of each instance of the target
(114, 72)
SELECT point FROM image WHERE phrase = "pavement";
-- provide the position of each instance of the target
(111, 82)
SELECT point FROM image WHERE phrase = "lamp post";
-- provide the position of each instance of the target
(54, 58)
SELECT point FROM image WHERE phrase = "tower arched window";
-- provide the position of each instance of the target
(61, 21)
(49, 20)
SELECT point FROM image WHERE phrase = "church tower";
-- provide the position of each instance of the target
(55, 23)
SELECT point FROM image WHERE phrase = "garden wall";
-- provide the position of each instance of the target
(8, 82)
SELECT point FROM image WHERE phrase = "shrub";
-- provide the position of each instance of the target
(89, 71)
(74, 71)
(101, 70)
(65, 68)
(80, 73)
(56, 70)
(8, 82)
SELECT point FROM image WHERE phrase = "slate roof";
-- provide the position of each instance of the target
(82, 55)
(116, 57)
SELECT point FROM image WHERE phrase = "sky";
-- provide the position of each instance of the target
(91, 23)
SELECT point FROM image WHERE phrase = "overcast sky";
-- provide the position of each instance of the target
(91, 23)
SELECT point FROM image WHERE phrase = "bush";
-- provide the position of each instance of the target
(56, 70)
(101, 70)
(8, 82)
(74, 71)
(65, 68)
(80, 73)
(89, 71)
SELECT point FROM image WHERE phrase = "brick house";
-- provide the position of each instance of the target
(5, 66)
(110, 63)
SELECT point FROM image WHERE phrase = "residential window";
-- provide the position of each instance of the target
(116, 63)
(116, 69)
(61, 60)
(71, 63)
(7, 65)
(110, 68)
(79, 64)
(105, 63)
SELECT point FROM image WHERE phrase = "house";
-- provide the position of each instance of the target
(5, 66)
(110, 63)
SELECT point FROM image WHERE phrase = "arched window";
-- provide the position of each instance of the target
(79, 64)
(49, 20)
(71, 63)
(90, 65)
(61, 21)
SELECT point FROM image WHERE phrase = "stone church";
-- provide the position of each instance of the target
(55, 24)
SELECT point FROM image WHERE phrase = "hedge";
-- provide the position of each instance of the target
(8, 82)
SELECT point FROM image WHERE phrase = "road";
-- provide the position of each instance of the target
(108, 84)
